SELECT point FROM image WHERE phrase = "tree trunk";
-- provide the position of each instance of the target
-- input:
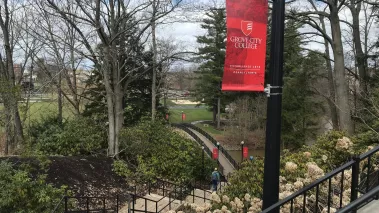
(218, 112)
(13, 96)
(214, 113)
(165, 100)
(119, 116)
(154, 77)
(75, 93)
(29, 93)
(360, 56)
(73, 68)
(60, 105)
(111, 125)
(345, 122)
(332, 96)
(8, 128)
(107, 72)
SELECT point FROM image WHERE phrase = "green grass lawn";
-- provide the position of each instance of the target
(38, 110)
(191, 115)
(210, 129)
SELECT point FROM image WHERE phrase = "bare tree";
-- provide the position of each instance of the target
(59, 39)
(331, 10)
(10, 96)
(116, 28)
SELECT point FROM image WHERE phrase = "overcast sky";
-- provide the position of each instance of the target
(184, 33)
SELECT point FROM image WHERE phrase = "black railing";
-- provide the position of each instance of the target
(174, 191)
(153, 204)
(323, 194)
(164, 187)
(82, 204)
(214, 141)
(169, 191)
(199, 141)
(361, 201)
(56, 208)
(90, 204)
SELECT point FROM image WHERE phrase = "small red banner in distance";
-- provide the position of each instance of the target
(245, 152)
(215, 153)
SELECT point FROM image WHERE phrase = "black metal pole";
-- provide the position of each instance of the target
(241, 152)
(218, 155)
(202, 157)
(274, 108)
(354, 180)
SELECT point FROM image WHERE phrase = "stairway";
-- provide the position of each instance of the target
(154, 203)
(198, 197)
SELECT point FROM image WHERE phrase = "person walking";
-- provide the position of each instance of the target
(215, 179)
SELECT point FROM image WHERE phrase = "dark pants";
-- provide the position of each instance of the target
(214, 185)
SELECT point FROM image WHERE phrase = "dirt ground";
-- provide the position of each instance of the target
(85, 176)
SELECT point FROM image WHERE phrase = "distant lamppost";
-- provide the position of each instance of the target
(218, 156)
(242, 143)
(202, 157)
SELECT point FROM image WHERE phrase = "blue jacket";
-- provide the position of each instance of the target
(215, 175)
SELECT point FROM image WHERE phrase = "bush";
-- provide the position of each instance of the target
(248, 179)
(80, 136)
(155, 150)
(37, 128)
(20, 193)
(329, 152)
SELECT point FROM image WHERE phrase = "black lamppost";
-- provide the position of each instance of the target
(242, 143)
(218, 154)
(274, 108)
(202, 157)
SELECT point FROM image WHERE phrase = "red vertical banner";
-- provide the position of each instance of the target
(183, 116)
(244, 68)
(215, 153)
(245, 152)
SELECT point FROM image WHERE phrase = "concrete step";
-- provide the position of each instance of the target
(154, 198)
(371, 207)
(198, 197)
(154, 204)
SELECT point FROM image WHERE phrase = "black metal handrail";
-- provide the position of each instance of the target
(354, 164)
(356, 204)
(59, 203)
(171, 190)
(146, 200)
(199, 141)
(170, 195)
(88, 207)
(214, 141)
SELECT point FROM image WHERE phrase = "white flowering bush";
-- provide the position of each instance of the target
(298, 169)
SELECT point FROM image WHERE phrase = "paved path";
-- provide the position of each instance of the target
(372, 207)
(228, 167)
(197, 122)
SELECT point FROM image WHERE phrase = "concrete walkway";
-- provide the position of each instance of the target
(228, 167)
(372, 207)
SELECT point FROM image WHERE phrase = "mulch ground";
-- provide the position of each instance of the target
(84, 176)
